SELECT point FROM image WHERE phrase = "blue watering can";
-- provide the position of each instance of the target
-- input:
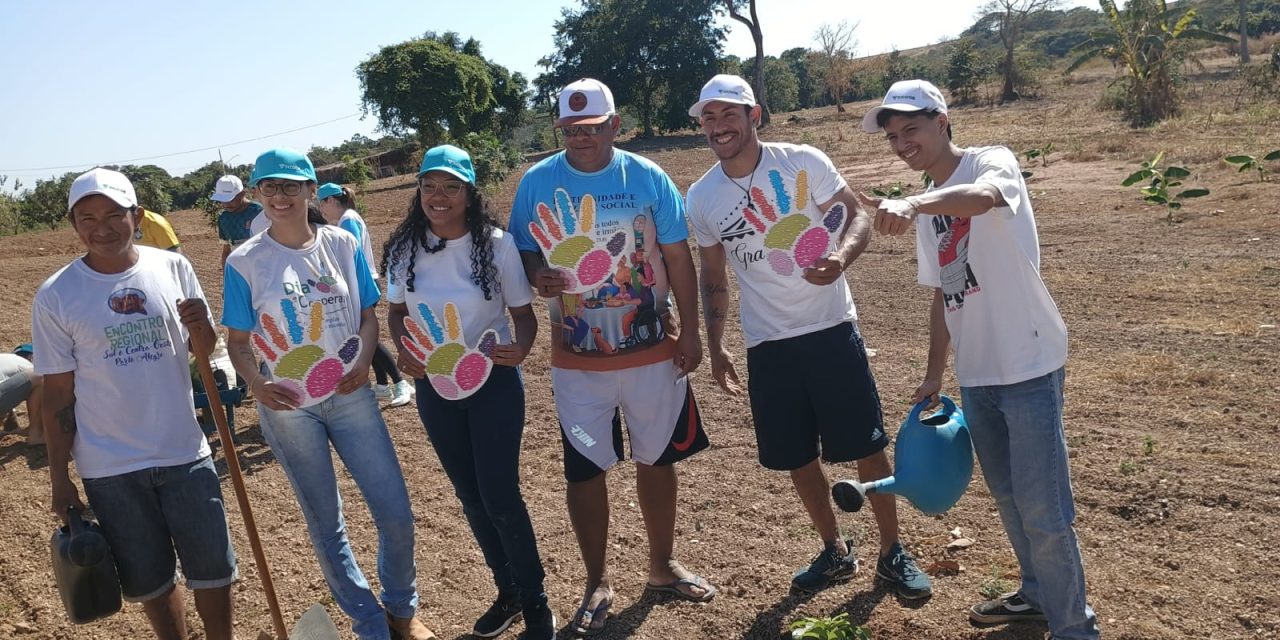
(933, 460)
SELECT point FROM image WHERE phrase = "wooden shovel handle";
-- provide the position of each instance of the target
(242, 497)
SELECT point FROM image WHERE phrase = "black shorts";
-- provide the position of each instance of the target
(687, 438)
(811, 389)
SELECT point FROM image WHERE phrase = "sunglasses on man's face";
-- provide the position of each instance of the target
(582, 129)
(287, 187)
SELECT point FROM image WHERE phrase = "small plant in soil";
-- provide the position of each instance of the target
(1162, 185)
(994, 585)
(1148, 445)
(1246, 162)
(829, 628)
(1128, 467)
(894, 190)
(1039, 152)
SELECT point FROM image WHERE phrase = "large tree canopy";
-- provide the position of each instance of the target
(655, 55)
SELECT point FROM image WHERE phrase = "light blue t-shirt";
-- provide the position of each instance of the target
(633, 197)
(354, 224)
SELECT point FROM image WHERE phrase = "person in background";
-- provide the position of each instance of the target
(18, 383)
(235, 222)
(154, 230)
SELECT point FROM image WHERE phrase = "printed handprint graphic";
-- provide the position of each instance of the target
(792, 239)
(570, 246)
(454, 369)
(295, 359)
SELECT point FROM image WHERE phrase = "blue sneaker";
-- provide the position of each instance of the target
(827, 568)
(899, 571)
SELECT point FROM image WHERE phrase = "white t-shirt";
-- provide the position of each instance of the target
(353, 223)
(772, 306)
(1004, 325)
(264, 276)
(445, 276)
(120, 335)
(260, 223)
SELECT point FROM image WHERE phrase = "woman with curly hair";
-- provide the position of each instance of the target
(460, 274)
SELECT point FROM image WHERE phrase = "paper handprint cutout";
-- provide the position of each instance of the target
(295, 359)
(570, 245)
(454, 369)
(793, 239)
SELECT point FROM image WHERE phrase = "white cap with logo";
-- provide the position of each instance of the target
(227, 188)
(585, 101)
(112, 184)
(723, 88)
(906, 95)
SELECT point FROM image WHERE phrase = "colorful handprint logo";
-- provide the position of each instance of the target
(296, 360)
(570, 246)
(454, 369)
(792, 239)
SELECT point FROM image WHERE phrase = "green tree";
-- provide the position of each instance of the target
(834, 59)
(152, 184)
(1011, 17)
(46, 204)
(1148, 40)
(783, 87)
(966, 71)
(10, 220)
(808, 91)
(653, 54)
(427, 87)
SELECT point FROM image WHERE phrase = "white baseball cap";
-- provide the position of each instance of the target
(907, 96)
(227, 188)
(585, 101)
(723, 88)
(112, 184)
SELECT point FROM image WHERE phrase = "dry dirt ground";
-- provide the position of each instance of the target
(1172, 414)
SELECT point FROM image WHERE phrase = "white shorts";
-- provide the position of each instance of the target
(655, 402)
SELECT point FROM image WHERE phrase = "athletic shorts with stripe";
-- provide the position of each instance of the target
(813, 389)
(661, 415)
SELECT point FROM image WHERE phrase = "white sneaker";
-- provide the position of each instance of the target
(382, 391)
(402, 394)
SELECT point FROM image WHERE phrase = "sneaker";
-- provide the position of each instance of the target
(401, 393)
(1009, 607)
(828, 567)
(504, 611)
(382, 391)
(899, 570)
(539, 621)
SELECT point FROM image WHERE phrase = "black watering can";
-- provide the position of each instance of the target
(932, 459)
(84, 570)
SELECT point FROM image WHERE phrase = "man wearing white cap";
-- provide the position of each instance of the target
(119, 319)
(977, 248)
(235, 223)
(614, 344)
(789, 224)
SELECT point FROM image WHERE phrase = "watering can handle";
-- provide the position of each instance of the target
(948, 406)
(75, 524)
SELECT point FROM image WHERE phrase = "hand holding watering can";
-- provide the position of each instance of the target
(933, 461)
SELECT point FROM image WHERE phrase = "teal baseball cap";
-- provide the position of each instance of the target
(284, 164)
(24, 349)
(328, 190)
(451, 160)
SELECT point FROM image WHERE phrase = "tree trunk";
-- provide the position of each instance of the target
(757, 70)
(1244, 32)
(1008, 94)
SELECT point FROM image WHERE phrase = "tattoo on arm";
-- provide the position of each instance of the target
(67, 418)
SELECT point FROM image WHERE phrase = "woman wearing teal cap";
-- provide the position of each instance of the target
(302, 295)
(338, 205)
(453, 275)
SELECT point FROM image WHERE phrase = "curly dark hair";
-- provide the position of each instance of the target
(412, 233)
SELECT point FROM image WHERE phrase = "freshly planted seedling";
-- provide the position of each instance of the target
(894, 190)
(1163, 182)
(1039, 152)
(830, 628)
(1245, 163)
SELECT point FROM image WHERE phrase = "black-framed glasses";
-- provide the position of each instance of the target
(451, 188)
(587, 129)
(287, 187)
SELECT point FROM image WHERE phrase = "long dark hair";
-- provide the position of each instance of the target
(412, 233)
(347, 199)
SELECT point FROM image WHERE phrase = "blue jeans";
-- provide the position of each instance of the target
(1032, 490)
(478, 442)
(148, 514)
(300, 440)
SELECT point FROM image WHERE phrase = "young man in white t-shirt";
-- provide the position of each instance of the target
(977, 247)
(789, 224)
(120, 319)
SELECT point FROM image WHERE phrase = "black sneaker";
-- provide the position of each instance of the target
(899, 571)
(828, 567)
(1009, 607)
(504, 611)
(539, 621)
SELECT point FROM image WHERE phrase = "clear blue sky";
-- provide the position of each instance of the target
(88, 83)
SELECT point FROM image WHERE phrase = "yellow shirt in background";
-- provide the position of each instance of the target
(154, 231)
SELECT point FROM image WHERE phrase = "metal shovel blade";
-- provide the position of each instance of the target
(315, 624)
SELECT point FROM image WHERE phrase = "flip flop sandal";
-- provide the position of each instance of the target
(583, 619)
(674, 589)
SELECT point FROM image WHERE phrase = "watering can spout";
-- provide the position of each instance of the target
(933, 458)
